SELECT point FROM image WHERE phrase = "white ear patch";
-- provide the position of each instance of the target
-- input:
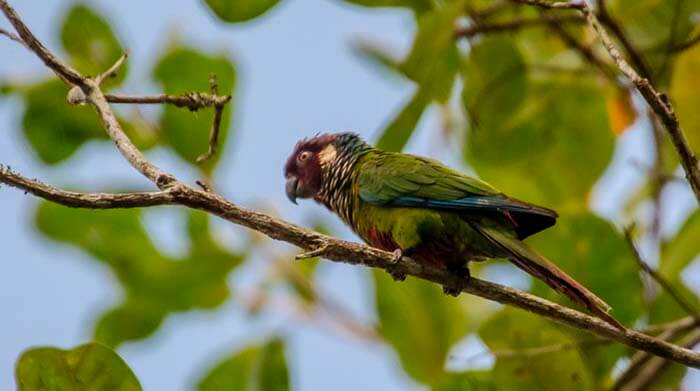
(327, 155)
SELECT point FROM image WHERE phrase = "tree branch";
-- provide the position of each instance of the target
(657, 101)
(332, 249)
(514, 25)
(84, 200)
(192, 100)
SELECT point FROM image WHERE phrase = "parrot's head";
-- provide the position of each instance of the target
(313, 160)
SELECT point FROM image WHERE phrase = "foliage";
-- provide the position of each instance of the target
(542, 124)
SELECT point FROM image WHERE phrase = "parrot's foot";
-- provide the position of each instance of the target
(395, 274)
(464, 276)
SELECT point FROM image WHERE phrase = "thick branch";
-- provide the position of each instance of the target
(84, 200)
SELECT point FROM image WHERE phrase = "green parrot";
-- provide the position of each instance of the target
(422, 209)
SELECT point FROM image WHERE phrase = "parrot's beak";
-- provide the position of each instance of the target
(291, 188)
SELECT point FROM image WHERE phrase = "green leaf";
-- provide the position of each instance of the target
(91, 44)
(91, 367)
(495, 82)
(590, 250)
(155, 285)
(434, 59)
(395, 136)
(256, 368)
(545, 151)
(685, 94)
(234, 11)
(677, 253)
(468, 381)
(183, 70)
(419, 6)
(513, 330)
(420, 322)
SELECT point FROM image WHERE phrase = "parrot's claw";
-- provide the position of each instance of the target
(395, 274)
(464, 276)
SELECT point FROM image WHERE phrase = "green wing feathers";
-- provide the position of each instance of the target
(529, 260)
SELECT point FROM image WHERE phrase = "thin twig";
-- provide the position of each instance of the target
(192, 100)
(112, 71)
(514, 25)
(665, 284)
(216, 125)
(13, 37)
(574, 4)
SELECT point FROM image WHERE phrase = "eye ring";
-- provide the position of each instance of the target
(304, 156)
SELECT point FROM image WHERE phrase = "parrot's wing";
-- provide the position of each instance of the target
(394, 179)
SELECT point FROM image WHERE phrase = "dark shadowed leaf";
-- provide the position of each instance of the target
(418, 320)
(155, 285)
(91, 367)
(546, 151)
(183, 70)
(513, 330)
(56, 129)
(257, 368)
(395, 136)
(234, 11)
(91, 44)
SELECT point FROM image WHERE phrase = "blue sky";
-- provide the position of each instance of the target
(297, 75)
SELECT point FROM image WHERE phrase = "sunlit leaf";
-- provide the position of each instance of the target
(90, 43)
(685, 94)
(513, 330)
(155, 284)
(418, 320)
(678, 252)
(234, 11)
(184, 70)
(91, 367)
(620, 110)
(256, 368)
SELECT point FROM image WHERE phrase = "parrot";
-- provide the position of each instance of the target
(420, 208)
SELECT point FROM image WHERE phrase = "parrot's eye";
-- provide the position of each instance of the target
(304, 156)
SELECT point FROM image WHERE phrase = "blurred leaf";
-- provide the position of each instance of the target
(377, 55)
(155, 284)
(395, 136)
(665, 308)
(56, 129)
(434, 59)
(468, 381)
(590, 250)
(91, 44)
(186, 132)
(655, 23)
(512, 330)
(495, 82)
(620, 110)
(418, 6)
(257, 368)
(685, 94)
(420, 322)
(91, 367)
(677, 253)
(546, 151)
(234, 11)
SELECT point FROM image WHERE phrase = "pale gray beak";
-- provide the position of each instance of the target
(291, 188)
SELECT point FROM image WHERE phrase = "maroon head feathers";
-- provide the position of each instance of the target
(304, 167)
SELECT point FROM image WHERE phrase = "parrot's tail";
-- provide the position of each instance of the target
(529, 260)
